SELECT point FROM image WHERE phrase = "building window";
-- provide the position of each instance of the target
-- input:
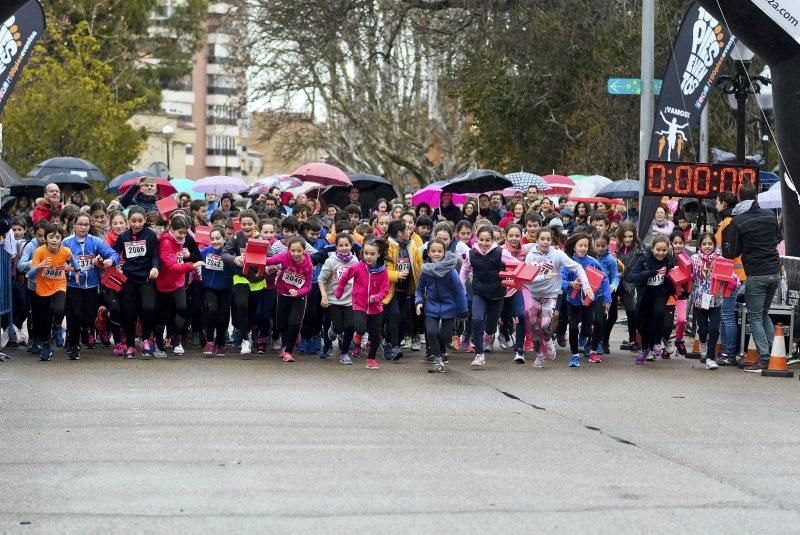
(189, 149)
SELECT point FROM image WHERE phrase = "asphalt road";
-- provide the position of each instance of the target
(208, 445)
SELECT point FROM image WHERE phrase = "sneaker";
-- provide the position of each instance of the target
(415, 343)
(438, 366)
(4, 339)
(549, 350)
(562, 340)
(178, 350)
(245, 347)
(645, 355)
(470, 349)
(456, 343)
(301, 347)
(345, 359)
(600, 350)
(22, 338)
(147, 349)
(465, 342)
(575, 361)
(655, 353)
(261, 345)
(219, 351)
(727, 360)
(46, 352)
(429, 358)
(287, 357)
(703, 349)
(91, 342)
(209, 349)
(276, 344)
(538, 362)
(397, 354)
(119, 350)
(444, 358)
(504, 342)
(681, 347)
(58, 336)
(635, 348)
(480, 360)
(325, 354)
(356, 352)
(35, 348)
(105, 338)
(587, 350)
(751, 368)
(488, 343)
(74, 353)
(528, 343)
(519, 357)
(236, 338)
(372, 364)
(582, 341)
(130, 352)
(711, 364)
(594, 358)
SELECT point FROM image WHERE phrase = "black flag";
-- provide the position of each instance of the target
(700, 49)
(18, 34)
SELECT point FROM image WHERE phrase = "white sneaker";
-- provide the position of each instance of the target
(703, 349)
(519, 357)
(246, 347)
(22, 338)
(711, 364)
(539, 362)
(159, 353)
(488, 343)
(276, 344)
(480, 360)
(550, 350)
(670, 349)
(503, 341)
(4, 338)
(178, 350)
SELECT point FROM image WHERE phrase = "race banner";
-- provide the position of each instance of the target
(785, 13)
(700, 49)
(18, 34)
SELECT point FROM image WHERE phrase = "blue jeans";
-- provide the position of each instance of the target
(758, 293)
(727, 326)
(485, 313)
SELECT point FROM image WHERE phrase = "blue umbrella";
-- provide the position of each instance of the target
(767, 179)
(522, 181)
(185, 185)
(113, 185)
(620, 189)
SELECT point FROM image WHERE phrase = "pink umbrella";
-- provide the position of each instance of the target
(323, 174)
(559, 184)
(431, 194)
(163, 186)
(305, 187)
(284, 182)
(219, 185)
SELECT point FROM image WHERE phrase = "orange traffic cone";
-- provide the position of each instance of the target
(751, 356)
(695, 352)
(718, 350)
(778, 364)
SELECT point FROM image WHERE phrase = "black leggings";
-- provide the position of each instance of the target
(290, 317)
(218, 310)
(49, 311)
(113, 302)
(139, 302)
(652, 312)
(629, 303)
(81, 312)
(246, 303)
(369, 324)
(438, 333)
(312, 320)
(173, 313)
(583, 315)
(195, 302)
(341, 317)
(396, 316)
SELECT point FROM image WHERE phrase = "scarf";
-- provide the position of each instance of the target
(344, 259)
(376, 269)
(442, 268)
(707, 263)
(178, 241)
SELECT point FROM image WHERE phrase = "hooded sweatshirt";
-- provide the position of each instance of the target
(547, 283)
(140, 252)
(332, 270)
(441, 290)
(650, 277)
(367, 282)
(174, 268)
(85, 251)
(293, 275)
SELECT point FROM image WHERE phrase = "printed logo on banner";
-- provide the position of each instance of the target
(673, 135)
(707, 41)
(17, 37)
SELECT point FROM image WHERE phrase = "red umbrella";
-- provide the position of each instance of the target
(163, 186)
(322, 173)
(559, 184)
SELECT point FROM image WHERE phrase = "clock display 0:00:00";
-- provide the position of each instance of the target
(685, 179)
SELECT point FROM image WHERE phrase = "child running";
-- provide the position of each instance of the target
(339, 310)
(442, 293)
(217, 282)
(370, 288)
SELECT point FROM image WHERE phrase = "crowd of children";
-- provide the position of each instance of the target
(144, 283)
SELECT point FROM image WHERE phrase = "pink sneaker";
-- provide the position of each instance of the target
(119, 350)
(287, 357)
(594, 358)
(528, 343)
(372, 364)
(219, 351)
(209, 349)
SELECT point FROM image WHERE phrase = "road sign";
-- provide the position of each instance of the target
(630, 86)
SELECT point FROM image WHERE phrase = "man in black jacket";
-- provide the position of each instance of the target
(754, 234)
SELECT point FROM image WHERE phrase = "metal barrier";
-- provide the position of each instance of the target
(6, 283)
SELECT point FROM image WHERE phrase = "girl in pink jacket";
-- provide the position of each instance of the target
(293, 284)
(370, 287)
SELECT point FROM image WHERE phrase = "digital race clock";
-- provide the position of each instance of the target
(701, 180)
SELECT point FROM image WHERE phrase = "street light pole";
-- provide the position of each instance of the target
(741, 91)
(167, 132)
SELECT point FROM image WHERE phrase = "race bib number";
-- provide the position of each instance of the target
(134, 249)
(85, 262)
(53, 273)
(403, 265)
(658, 278)
(294, 279)
(546, 271)
(214, 262)
(340, 272)
(179, 258)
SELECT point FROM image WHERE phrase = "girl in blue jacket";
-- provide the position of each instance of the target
(602, 316)
(578, 248)
(217, 283)
(81, 305)
(444, 300)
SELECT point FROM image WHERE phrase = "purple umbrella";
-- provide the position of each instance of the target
(431, 194)
(219, 185)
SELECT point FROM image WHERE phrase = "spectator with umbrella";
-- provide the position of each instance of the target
(50, 204)
(486, 211)
(77, 198)
(22, 206)
(144, 193)
(470, 211)
(447, 211)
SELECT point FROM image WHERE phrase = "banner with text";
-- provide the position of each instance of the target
(18, 34)
(700, 49)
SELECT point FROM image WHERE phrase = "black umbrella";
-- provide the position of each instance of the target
(119, 180)
(68, 164)
(371, 188)
(477, 181)
(63, 180)
(7, 175)
(32, 187)
(620, 189)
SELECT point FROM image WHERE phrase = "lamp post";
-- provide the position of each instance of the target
(167, 132)
(738, 85)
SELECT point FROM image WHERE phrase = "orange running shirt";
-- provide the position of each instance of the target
(54, 278)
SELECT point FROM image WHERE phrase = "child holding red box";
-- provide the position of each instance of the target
(707, 305)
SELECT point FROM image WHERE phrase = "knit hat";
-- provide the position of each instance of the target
(556, 222)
